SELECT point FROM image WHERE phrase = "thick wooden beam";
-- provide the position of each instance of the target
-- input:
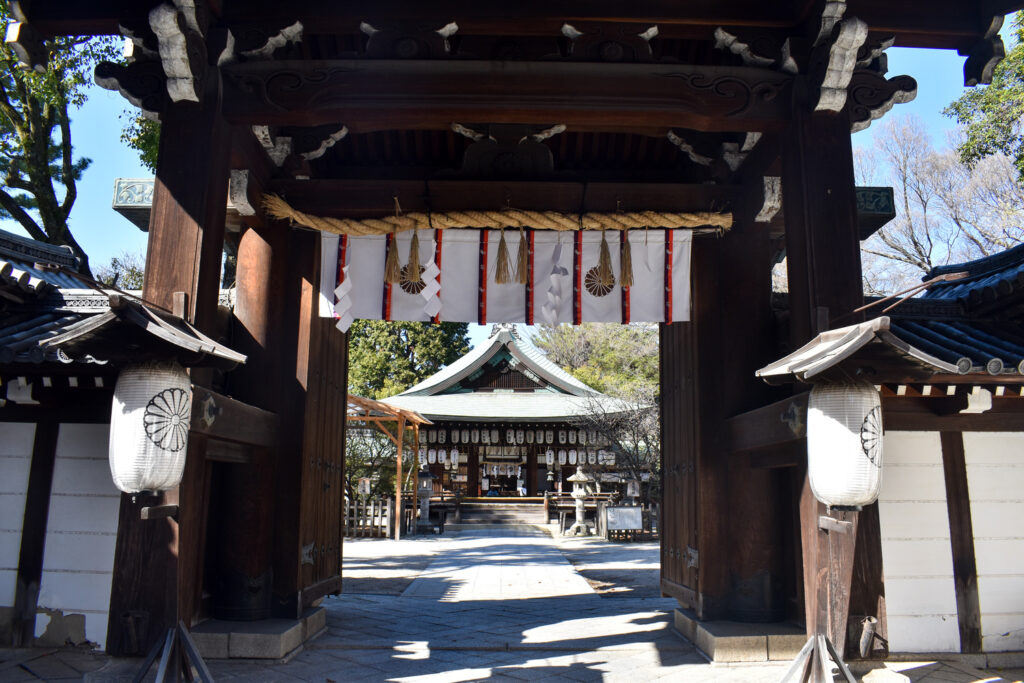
(371, 198)
(961, 538)
(384, 94)
(33, 532)
(221, 417)
(773, 425)
(941, 414)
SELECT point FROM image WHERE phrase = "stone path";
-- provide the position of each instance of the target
(507, 603)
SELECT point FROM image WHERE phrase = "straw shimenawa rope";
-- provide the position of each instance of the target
(507, 218)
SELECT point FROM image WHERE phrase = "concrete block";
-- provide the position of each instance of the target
(751, 648)
(785, 646)
(266, 639)
(314, 620)
(685, 622)
(211, 645)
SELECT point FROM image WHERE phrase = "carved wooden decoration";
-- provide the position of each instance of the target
(608, 43)
(832, 74)
(772, 199)
(735, 153)
(312, 143)
(182, 49)
(831, 14)
(254, 44)
(872, 55)
(689, 150)
(871, 96)
(757, 48)
(142, 83)
(507, 151)
(238, 192)
(27, 45)
(392, 39)
(277, 147)
(984, 55)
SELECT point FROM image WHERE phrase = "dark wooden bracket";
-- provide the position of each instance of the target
(160, 512)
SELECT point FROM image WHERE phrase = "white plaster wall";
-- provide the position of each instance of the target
(16, 439)
(81, 531)
(995, 482)
(917, 558)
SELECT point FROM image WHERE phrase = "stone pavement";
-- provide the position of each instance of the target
(507, 603)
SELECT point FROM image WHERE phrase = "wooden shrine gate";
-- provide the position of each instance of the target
(344, 110)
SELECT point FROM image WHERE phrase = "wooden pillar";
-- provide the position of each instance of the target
(33, 532)
(158, 558)
(473, 472)
(823, 258)
(961, 537)
(398, 479)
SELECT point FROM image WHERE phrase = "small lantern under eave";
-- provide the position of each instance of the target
(844, 444)
(149, 423)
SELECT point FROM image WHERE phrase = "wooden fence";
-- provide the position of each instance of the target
(369, 517)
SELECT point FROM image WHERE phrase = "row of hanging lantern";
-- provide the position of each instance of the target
(583, 457)
(431, 456)
(503, 470)
(512, 436)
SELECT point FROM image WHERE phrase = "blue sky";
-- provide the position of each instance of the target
(96, 130)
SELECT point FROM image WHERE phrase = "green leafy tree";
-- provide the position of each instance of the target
(992, 114)
(124, 271)
(38, 169)
(386, 358)
(620, 360)
(142, 135)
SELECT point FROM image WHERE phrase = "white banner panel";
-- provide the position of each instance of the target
(563, 287)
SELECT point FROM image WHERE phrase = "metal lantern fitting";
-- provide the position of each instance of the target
(844, 444)
(149, 422)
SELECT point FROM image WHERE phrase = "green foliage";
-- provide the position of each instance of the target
(38, 171)
(142, 135)
(123, 272)
(992, 115)
(620, 360)
(386, 358)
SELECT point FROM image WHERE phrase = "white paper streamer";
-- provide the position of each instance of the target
(554, 295)
(431, 293)
(343, 309)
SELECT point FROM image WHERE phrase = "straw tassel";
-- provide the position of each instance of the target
(605, 275)
(503, 276)
(523, 259)
(412, 269)
(392, 267)
(626, 263)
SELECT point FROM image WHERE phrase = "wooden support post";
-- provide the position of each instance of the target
(158, 564)
(961, 537)
(823, 254)
(398, 478)
(33, 532)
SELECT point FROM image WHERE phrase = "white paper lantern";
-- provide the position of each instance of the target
(529, 436)
(149, 422)
(455, 454)
(510, 436)
(442, 435)
(485, 436)
(423, 436)
(572, 456)
(432, 456)
(494, 436)
(549, 436)
(520, 436)
(561, 436)
(476, 436)
(455, 436)
(442, 456)
(539, 438)
(465, 436)
(423, 456)
(561, 457)
(844, 444)
(572, 436)
(592, 436)
(592, 458)
(432, 435)
(582, 438)
(609, 458)
(549, 457)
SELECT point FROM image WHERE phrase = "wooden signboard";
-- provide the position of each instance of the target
(624, 519)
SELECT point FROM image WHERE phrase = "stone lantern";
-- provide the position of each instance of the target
(424, 489)
(580, 483)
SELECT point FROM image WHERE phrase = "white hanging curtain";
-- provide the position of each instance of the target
(561, 279)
